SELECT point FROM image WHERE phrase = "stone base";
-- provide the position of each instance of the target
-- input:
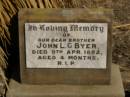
(115, 89)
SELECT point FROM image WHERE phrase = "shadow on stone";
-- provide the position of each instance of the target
(14, 67)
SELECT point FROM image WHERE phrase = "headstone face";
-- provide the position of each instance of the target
(64, 46)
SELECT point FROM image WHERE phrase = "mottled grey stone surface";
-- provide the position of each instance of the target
(115, 89)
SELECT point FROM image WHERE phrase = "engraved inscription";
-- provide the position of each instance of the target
(66, 45)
